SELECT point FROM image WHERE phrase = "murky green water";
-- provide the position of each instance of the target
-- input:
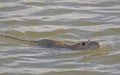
(66, 20)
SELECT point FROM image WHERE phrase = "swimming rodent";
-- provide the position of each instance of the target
(50, 43)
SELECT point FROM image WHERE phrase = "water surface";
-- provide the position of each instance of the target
(66, 20)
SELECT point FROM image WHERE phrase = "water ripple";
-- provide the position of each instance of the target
(67, 20)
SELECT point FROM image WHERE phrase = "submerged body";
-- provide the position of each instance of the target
(49, 43)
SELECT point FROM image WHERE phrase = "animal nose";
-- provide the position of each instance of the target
(100, 44)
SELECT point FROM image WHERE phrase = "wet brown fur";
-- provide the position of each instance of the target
(49, 43)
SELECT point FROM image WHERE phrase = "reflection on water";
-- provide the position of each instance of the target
(66, 20)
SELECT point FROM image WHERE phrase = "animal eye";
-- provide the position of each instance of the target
(83, 43)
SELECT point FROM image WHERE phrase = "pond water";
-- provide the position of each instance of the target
(66, 20)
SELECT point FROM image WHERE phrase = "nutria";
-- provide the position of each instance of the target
(49, 43)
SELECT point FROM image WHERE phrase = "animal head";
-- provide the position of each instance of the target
(87, 45)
